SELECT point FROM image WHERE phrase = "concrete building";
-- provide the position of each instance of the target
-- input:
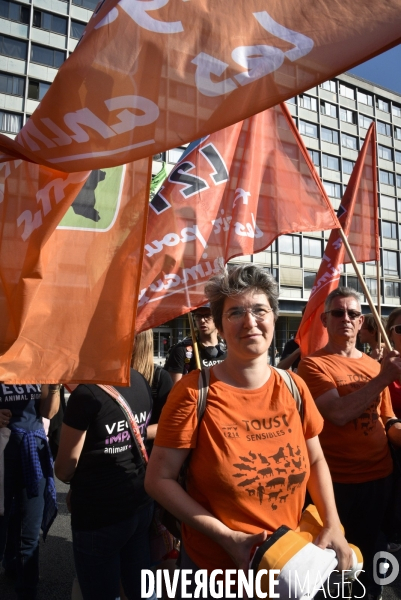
(36, 38)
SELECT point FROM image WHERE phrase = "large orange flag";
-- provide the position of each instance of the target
(358, 218)
(232, 195)
(149, 75)
(68, 295)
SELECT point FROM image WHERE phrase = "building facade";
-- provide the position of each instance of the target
(36, 38)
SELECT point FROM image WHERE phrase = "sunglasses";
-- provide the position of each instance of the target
(396, 329)
(339, 313)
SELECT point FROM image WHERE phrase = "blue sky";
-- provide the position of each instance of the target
(384, 70)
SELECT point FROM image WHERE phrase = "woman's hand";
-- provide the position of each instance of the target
(332, 537)
(240, 545)
(5, 416)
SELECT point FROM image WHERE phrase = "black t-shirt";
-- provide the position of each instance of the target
(182, 356)
(107, 485)
(289, 348)
(23, 401)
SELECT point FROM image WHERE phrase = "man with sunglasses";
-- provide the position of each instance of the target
(212, 349)
(350, 390)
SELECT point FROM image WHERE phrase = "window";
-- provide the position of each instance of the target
(399, 181)
(10, 122)
(347, 92)
(398, 157)
(10, 84)
(371, 284)
(349, 141)
(390, 266)
(364, 121)
(385, 152)
(347, 115)
(50, 22)
(37, 89)
(353, 282)
(308, 129)
(329, 135)
(397, 133)
(330, 110)
(312, 247)
(91, 4)
(14, 12)
(12, 47)
(332, 189)
(47, 56)
(348, 166)
(383, 105)
(386, 177)
(271, 271)
(330, 86)
(331, 162)
(387, 202)
(364, 98)
(309, 279)
(314, 154)
(396, 110)
(383, 128)
(308, 102)
(77, 29)
(290, 244)
(389, 230)
(392, 289)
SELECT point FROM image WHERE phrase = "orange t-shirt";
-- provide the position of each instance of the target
(249, 466)
(357, 451)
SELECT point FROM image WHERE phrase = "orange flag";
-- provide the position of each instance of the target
(68, 295)
(358, 218)
(232, 195)
(149, 75)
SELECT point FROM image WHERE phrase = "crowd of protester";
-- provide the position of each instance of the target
(234, 448)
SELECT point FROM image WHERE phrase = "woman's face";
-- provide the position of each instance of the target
(247, 336)
(396, 337)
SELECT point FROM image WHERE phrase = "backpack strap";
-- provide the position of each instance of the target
(203, 389)
(293, 389)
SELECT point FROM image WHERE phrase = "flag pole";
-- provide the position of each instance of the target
(379, 304)
(365, 291)
(194, 340)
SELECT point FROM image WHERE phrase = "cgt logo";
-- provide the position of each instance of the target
(385, 568)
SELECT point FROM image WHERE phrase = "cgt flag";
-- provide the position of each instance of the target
(231, 195)
(68, 295)
(358, 218)
(149, 75)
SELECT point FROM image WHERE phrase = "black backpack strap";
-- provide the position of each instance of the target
(203, 389)
(293, 389)
(155, 382)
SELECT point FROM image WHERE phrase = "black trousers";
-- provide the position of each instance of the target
(361, 507)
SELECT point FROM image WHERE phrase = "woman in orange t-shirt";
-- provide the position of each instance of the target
(252, 456)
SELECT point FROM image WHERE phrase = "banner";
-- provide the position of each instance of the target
(149, 75)
(358, 217)
(232, 195)
(68, 295)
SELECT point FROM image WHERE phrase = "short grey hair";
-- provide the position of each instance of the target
(239, 280)
(341, 292)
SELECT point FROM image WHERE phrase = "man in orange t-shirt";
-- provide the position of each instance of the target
(350, 390)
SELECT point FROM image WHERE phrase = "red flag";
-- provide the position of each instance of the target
(68, 295)
(358, 217)
(230, 196)
(151, 75)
